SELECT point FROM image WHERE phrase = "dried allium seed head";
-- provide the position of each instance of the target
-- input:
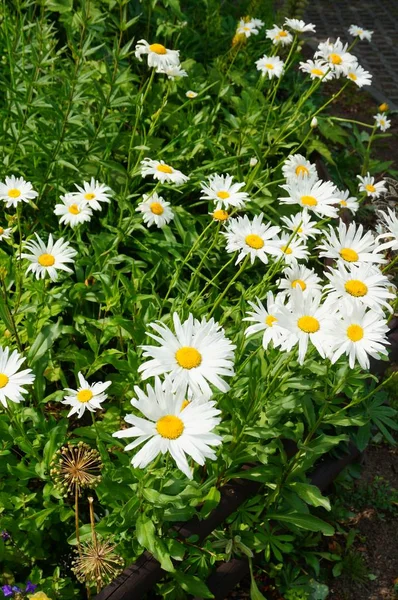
(97, 562)
(74, 467)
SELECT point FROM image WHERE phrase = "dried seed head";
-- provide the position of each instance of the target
(97, 562)
(75, 467)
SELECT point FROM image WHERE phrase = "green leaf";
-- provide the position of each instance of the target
(255, 593)
(193, 585)
(146, 535)
(303, 521)
(211, 501)
(44, 341)
(310, 494)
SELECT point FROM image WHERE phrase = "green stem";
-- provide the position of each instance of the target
(221, 296)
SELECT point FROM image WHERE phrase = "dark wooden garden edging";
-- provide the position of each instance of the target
(140, 577)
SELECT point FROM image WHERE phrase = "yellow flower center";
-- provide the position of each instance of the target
(301, 170)
(318, 72)
(349, 254)
(270, 320)
(300, 230)
(246, 29)
(269, 66)
(223, 195)
(383, 107)
(1, 231)
(158, 49)
(3, 380)
(356, 288)
(74, 209)
(156, 208)
(188, 357)
(299, 282)
(220, 215)
(170, 427)
(287, 250)
(360, 32)
(335, 58)
(355, 333)
(14, 193)
(89, 196)
(370, 188)
(309, 201)
(191, 94)
(343, 203)
(308, 324)
(184, 404)
(164, 169)
(352, 76)
(254, 241)
(382, 122)
(46, 260)
(84, 395)
(282, 33)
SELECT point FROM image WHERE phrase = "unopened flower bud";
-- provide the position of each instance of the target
(253, 161)
(383, 107)
(314, 122)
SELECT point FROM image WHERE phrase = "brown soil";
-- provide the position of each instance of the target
(377, 536)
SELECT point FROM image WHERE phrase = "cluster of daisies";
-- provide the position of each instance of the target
(331, 60)
(47, 258)
(178, 414)
(343, 314)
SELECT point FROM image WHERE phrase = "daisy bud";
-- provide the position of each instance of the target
(383, 107)
(253, 161)
(314, 122)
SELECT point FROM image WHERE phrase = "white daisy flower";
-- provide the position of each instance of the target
(299, 276)
(196, 355)
(270, 65)
(317, 69)
(155, 210)
(356, 285)
(367, 184)
(158, 55)
(299, 25)
(172, 71)
(382, 122)
(292, 250)
(358, 75)
(347, 201)
(265, 319)
(252, 238)
(5, 233)
(87, 395)
(278, 35)
(307, 320)
(390, 222)
(357, 333)
(169, 426)
(248, 28)
(72, 211)
(92, 193)
(191, 94)
(222, 190)
(48, 258)
(162, 172)
(318, 196)
(16, 190)
(302, 225)
(363, 34)
(297, 167)
(350, 245)
(336, 55)
(12, 380)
